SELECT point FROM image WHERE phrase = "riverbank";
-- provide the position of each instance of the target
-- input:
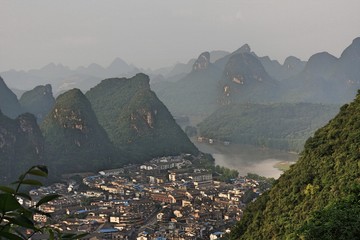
(248, 159)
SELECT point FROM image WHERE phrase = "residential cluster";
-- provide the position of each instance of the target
(165, 198)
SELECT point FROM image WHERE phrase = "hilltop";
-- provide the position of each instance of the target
(136, 120)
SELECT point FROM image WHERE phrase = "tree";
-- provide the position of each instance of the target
(339, 220)
(15, 218)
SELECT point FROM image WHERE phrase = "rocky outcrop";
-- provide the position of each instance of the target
(202, 62)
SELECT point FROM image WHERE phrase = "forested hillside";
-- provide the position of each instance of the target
(318, 198)
(283, 126)
(74, 140)
(135, 120)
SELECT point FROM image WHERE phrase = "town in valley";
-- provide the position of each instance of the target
(166, 198)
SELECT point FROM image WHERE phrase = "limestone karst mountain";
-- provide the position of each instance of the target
(326, 79)
(291, 67)
(21, 145)
(74, 140)
(195, 94)
(244, 79)
(38, 101)
(9, 103)
(136, 120)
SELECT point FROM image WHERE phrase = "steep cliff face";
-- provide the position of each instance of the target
(9, 103)
(74, 139)
(318, 198)
(245, 80)
(21, 145)
(38, 101)
(136, 120)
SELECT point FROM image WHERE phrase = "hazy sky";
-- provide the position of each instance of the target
(155, 33)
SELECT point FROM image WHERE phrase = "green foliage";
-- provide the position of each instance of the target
(339, 220)
(248, 196)
(15, 218)
(264, 182)
(205, 160)
(282, 126)
(135, 119)
(315, 195)
(74, 137)
(21, 145)
(226, 174)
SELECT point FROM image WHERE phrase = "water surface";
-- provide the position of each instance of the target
(245, 158)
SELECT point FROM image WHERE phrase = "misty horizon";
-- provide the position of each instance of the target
(85, 32)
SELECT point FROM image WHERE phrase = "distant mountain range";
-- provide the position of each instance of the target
(244, 78)
(323, 79)
(63, 78)
(327, 79)
(201, 91)
(138, 124)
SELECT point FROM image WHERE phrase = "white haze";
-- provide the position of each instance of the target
(156, 33)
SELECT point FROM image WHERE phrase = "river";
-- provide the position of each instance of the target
(245, 158)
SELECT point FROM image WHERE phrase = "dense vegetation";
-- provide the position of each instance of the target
(318, 197)
(282, 126)
(21, 145)
(74, 139)
(136, 120)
